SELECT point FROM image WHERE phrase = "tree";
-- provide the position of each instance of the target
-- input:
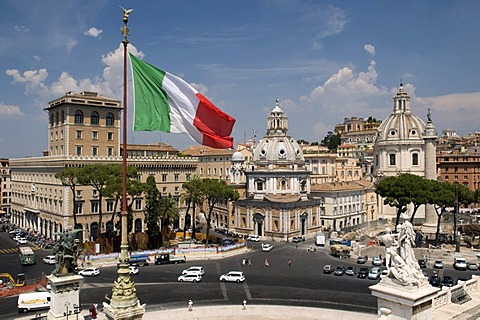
(152, 212)
(216, 191)
(69, 177)
(442, 196)
(395, 194)
(168, 212)
(195, 196)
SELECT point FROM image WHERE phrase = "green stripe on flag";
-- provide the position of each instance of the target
(151, 108)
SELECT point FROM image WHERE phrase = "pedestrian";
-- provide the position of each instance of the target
(249, 262)
(289, 263)
(244, 262)
(190, 305)
(244, 304)
(266, 263)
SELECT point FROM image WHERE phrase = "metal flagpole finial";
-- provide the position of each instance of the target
(124, 29)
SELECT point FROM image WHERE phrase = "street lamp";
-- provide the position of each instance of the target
(76, 309)
(455, 215)
(67, 304)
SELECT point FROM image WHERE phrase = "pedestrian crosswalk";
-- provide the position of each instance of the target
(15, 250)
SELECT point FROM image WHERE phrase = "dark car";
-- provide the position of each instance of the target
(362, 273)
(435, 281)
(297, 239)
(422, 263)
(447, 281)
(361, 260)
(339, 271)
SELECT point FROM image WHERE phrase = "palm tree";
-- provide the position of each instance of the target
(168, 212)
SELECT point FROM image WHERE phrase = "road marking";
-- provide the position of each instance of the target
(222, 285)
(247, 291)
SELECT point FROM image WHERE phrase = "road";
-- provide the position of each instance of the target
(302, 284)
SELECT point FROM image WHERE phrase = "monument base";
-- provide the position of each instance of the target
(65, 296)
(399, 302)
(124, 311)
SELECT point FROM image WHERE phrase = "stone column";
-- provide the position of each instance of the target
(430, 138)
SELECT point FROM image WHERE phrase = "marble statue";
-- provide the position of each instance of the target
(400, 257)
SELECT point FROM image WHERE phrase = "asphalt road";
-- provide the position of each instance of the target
(301, 284)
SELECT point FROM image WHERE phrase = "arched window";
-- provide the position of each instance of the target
(62, 118)
(79, 117)
(56, 118)
(51, 119)
(110, 119)
(94, 118)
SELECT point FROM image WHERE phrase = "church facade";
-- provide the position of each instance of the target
(277, 201)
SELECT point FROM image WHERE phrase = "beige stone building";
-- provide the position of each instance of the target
(5, 189)
(85, 129)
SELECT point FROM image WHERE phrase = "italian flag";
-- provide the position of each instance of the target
(167, 103)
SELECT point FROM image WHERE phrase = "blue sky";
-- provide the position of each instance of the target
(324, 60)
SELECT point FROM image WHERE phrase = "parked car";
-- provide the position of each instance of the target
(266, 247)
(447, 281)
(22, 240)
(422, 263)
(350, 271)
(362, 273)
(361, 260)
(438, 264)
(383, 274)
(297, 239)
(374, 273)
(194, 270)
(89, 272)
(328, 268)
(189, 277)
(376, 261)
(459, 263)
(339, 271)
(435, 281)
(472, 266)
(133, 270)
(233, 276)
(49, 259)
(253, 237)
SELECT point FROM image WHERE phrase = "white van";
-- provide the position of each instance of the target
(34, 301)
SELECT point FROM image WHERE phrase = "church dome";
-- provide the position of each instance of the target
(276, 145)
(237, 156)
(401, 125)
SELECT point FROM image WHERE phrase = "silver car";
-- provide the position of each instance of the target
(233, 276)
(189, 277)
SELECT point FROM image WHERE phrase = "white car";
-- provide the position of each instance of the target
(133, 270)
(253, 237)
(90, 272)
(49, 259)
(189, 277)
(376, 261)
(233, 276)
(22, 241)
(266, 247)
(194, 270)
(374, 273)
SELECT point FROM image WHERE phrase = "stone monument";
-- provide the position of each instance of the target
(404, 293)
(65, 284)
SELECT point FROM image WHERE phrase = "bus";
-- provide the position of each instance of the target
(26, 256)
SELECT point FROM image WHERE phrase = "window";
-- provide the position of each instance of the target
(79, 117)
(392, 160)
(110, 119)
(164, 177)
(138, 204)
(415, 159)
(109, 206)
(78, 134)
(78, 150)
(94, 151)
(259, 185)
(78, 207)
(94, 118)
(175, 177)
(110, 136)
(94, 206)
(94, 135)
(110, 151)
(187, 176)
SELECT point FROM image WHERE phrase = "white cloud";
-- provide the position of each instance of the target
(22, 29)
(94, 32)
(37, 58)
(370, 49)
(9, 110)
(70, 44)
(33, 79)
(334, 21)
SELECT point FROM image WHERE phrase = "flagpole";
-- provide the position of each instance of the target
(124, 303)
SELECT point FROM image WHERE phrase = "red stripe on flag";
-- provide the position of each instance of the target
(215, 125)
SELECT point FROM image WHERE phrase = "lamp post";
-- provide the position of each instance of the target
(455, 215)
(67, 304)
(76, 310)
